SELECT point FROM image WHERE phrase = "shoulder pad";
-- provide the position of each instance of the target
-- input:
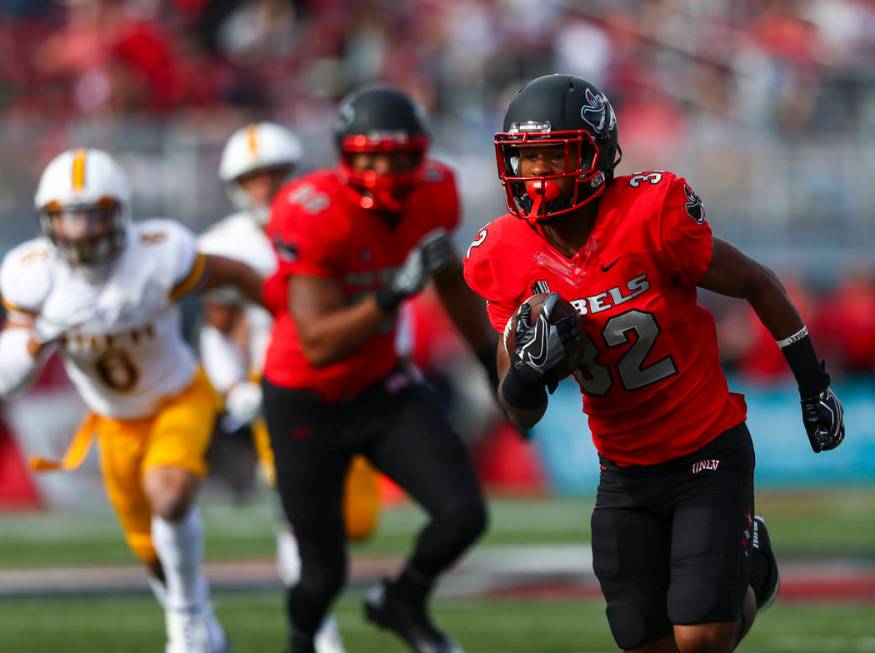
(437, 172)
(495, 261)
(309, 205)
(26, 276)
(162, 232)
(650, 181)
(311, 194)
(171, 245)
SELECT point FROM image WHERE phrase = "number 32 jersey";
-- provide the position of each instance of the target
(122, 347)
(651, 379)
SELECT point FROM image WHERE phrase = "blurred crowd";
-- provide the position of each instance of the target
(677, 70)
(791, 64)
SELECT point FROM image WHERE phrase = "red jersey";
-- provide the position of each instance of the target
(652, 384)
(318, 229)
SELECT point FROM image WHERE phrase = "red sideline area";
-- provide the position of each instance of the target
(797, 585)
(17, 489)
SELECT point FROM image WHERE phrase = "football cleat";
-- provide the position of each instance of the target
(328, 639)
(288, 560)
(765, 588)
(194, 633)
(409, 622)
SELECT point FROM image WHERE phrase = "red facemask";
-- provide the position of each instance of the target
(383, 191)
(538, 198)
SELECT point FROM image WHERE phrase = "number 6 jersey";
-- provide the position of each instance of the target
(122, 345)
(651, 379)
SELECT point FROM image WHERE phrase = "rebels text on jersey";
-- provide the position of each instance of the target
(318, 229)
(651, 379)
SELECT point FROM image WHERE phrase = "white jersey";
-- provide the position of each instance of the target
(240, 237)
(123, 349)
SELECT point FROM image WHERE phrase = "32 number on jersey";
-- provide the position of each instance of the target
(645, 178)
(596, 379)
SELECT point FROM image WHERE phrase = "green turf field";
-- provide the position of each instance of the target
(836, 523)
(822, 523)
(255, 623)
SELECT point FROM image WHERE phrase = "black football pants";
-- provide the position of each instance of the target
(403, 433)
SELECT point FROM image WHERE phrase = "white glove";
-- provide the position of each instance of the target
(243, 402)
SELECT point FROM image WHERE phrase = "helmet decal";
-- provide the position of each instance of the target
(252, 140)
(598, 113)
(345, 116)
(78, 180)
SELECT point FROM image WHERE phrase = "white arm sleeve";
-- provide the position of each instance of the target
(17, 366)
(225, 365)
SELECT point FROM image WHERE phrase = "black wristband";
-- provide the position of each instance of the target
(388, 300)
(809, 372)
(520, 393)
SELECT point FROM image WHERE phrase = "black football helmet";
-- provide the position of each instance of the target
(374, 120)
(549, 110)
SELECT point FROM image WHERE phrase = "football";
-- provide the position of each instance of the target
(562, 309)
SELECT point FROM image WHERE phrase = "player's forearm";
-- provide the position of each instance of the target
(734, 274)
(774, 308)
(333, 335)
(20, 359)
(524, 403)
(523, 418)
(220, 272)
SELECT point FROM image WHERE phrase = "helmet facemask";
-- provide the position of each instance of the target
(538, 198)
(254, 191)
(87, 235)
(562, 111)
(383, 186)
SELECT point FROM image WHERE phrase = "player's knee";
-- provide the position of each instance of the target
(705, 638)
(172, 508)
(634, 626)
(322, 584)
(466, 521)
(171, 492)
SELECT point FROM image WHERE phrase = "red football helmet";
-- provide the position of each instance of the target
(381, 121)
(557, 110)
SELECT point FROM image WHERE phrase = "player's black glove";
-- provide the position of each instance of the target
(822, 412)
(540, 346)
(824, 419)
(431, 254)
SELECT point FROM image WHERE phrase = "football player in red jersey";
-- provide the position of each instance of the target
(682, 561)
(354, 243)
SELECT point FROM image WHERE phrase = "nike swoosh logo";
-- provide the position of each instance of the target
(607, 267)
(539, 339)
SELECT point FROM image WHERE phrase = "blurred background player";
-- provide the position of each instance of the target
(683, 563)
(256, 162)
(103, 291)
(355, 242)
